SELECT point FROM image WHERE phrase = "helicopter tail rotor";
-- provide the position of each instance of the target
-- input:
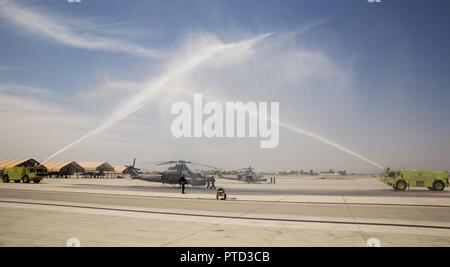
(133, 170)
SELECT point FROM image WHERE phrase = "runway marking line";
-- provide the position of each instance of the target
(242, 200)
(230, 217)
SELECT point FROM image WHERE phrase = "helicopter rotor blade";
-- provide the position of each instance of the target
(171, 162)
(165, 163)
(154, 162)
(204, 165)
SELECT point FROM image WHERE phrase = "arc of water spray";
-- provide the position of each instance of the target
(154, 88)
(306, 133)
(328, 142)
(97, 130)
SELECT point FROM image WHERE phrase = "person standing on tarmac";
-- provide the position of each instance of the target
(213, 181)
(183, 183)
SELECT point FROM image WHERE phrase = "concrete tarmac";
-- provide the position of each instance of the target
(111, 212)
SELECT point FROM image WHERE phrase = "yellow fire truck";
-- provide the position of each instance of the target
(403, 179)
(24, 174)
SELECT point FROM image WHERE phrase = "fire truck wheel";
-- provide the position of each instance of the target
(26, 179)
(438, 185)
(401, 185)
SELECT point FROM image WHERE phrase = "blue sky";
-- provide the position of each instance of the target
(371, 77)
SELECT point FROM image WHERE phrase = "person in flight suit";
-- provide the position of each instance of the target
(183, 182)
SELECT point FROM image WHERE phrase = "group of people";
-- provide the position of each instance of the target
(272, 180)
(209, 184)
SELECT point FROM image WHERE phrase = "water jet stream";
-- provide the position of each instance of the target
(304, 132)
(152, 89)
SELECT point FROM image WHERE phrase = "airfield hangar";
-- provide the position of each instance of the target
(72, 169)
(64, 169)
(8, 163)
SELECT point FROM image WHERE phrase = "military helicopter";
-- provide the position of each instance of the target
(173, 173)
(250, 175)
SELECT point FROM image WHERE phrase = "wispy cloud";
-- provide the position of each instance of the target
(37, 118)
(155, 87)
(30, 100)
(277, 69)
(64, 30)
(110, 88)
(23, 90)
(8, 68)
(312, 25)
